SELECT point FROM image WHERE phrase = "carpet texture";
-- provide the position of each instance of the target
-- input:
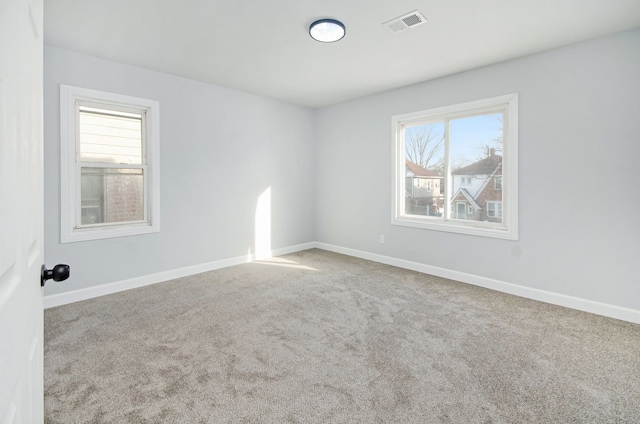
(317, 337)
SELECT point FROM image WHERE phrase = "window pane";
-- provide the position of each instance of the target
(475, 154)
(110, 136)
(424, 169)
(495, 209)
(111, 195)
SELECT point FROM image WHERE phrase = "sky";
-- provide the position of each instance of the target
(468, 136)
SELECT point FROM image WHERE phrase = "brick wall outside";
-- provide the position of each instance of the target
(124, 198)
(489, 193)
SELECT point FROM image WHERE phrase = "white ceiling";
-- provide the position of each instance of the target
(263, 47)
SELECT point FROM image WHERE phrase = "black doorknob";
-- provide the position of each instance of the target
(59, 272)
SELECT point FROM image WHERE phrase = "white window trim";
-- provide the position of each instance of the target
(509, 230)
(69, 188)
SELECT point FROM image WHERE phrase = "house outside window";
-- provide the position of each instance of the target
(470, 149)
(110, 166)
(420, 197)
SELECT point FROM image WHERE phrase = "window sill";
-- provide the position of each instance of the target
(98, 233)
(473, 228)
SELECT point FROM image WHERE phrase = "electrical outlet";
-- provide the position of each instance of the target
(382, 238)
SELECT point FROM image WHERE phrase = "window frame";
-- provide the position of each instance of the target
(71, 99)
(506, 104)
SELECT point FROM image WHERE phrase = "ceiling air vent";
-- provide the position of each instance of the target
(408, 20)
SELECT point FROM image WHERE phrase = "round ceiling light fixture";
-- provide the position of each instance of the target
(327, 30)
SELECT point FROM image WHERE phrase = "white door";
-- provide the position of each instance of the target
(461, 210)
(21, 211)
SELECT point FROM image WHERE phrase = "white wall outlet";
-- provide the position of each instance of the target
(382, 238)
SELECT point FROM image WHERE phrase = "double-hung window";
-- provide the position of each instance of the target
(494, 209)
(109, 164)
(497, 182)
(472, 149)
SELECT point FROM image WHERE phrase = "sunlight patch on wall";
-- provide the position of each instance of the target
(263, 226)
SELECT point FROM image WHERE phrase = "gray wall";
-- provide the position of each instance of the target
(579, 171)
(220, 149)
(330, 173)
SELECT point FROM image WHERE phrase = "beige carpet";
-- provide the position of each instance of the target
(317, 337)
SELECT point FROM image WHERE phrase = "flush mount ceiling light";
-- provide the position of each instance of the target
(327, 30)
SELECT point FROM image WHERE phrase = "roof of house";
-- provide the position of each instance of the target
(484, 166)
(419, 171)
(469, 198)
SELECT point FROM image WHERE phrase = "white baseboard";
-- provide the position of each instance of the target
(54, 300)
(599, 308)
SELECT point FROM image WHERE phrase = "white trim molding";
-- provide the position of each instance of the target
(60, 299)
(585, 305)
(507, 106)
(71, 228)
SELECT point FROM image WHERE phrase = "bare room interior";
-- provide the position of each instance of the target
(429, 218)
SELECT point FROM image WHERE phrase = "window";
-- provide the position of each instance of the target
(473, 149)
(109, 165)
(494, 209)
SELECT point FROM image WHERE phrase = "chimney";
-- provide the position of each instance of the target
(493, 152)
